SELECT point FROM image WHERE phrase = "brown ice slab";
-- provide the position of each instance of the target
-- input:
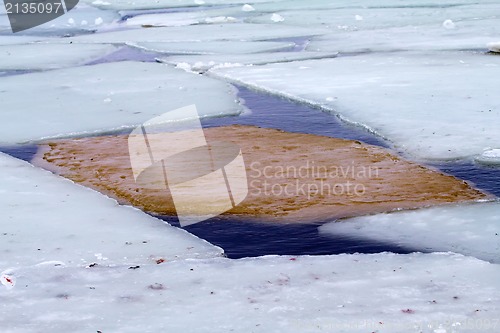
(292, 177)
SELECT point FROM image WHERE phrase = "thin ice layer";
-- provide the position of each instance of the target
(104, 97)
(432, 105)
(469, 229)
(417, 293)
(46, 219)
(38, 56)
(213, 47)
(200, 63)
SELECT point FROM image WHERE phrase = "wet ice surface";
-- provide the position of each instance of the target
(431, 104)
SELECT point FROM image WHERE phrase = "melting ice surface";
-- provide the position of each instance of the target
(83, 263)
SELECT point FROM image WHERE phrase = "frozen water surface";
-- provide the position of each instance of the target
(200, 63)
(38, 56)
(431, 105)
(347, 293)
(104, 97)
(197, 33)
(469, 229)
(147, 4)
(82, 263)
(214, 47)
(46, 218)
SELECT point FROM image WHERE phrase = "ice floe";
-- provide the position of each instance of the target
(51, 221)
(176, 19)
(430, 105)
(104, 97)
(201, 63)
(197, 33)
(472, 229)
(494, 47)
(39, 56)
(214, 47)
(468, 35)
(416, 293)
(160, 4)
(490, 156)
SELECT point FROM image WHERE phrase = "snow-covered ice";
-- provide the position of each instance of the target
(15, 40)
(214, 47)
(247, 8)
(347, 293)
(161, 4)
(104, 97)
(38, 56)
(490, 157)
(201, 63)
(46, 220)
(472, 229)
(197, 33)
(494, 46)
(176, 19)
(430, 105)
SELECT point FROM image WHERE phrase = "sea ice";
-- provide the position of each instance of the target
(198, 33)
(16, 40)
(176, 19)
(494, 47)
(472, 229)
(432, 105)
(202, 63)
(161, 4)
(41, 56)
(104, 97)
(247, 8)
(469, 35)
(214, 47)
(50, 221)
(490, 156)
(380, 17)
(416, 293)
